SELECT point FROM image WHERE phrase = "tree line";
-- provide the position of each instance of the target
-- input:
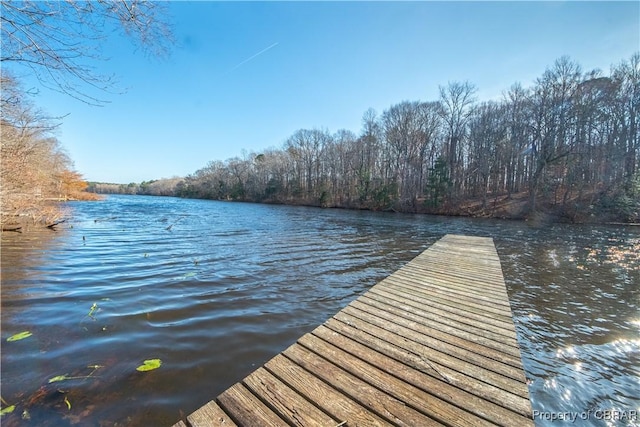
(567, 145)
(154, 187)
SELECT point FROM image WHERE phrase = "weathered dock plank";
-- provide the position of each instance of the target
(432, 344)
(210, 415)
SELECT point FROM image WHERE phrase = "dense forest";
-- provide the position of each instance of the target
(566, 146)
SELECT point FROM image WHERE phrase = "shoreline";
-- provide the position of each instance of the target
(506, 208)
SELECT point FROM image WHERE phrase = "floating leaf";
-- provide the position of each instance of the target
(149, 365)
(67, 402)
(93, 309)
(20, 336)
(8, 410)
(58, 378)
(65, 377)
(191, 274)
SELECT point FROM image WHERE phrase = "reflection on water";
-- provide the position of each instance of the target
(215, 289)
(576, 299)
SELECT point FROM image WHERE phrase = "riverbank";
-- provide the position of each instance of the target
(589, 209)
(586, 210)
(21, 212)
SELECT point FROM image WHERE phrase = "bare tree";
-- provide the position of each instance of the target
(514, 160)
(430, 138)
(33, 161)
(60, 41)
(456, 100)
(368, 165)
(553, 111)
(306, 145)
(487, 135)
(627, 76)
(412, 131)
(340, 158)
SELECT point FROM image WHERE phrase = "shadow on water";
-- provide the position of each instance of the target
(215, 289)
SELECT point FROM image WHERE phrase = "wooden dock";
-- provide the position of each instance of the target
(433, 344)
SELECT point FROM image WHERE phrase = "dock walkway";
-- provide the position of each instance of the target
(433, 344)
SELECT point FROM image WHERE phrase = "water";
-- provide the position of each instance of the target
(215, 289)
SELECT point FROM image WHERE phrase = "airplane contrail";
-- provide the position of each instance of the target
(253, 56)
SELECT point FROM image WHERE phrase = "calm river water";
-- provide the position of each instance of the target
(215, 289)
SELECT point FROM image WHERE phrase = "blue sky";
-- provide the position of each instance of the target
(245, 76)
